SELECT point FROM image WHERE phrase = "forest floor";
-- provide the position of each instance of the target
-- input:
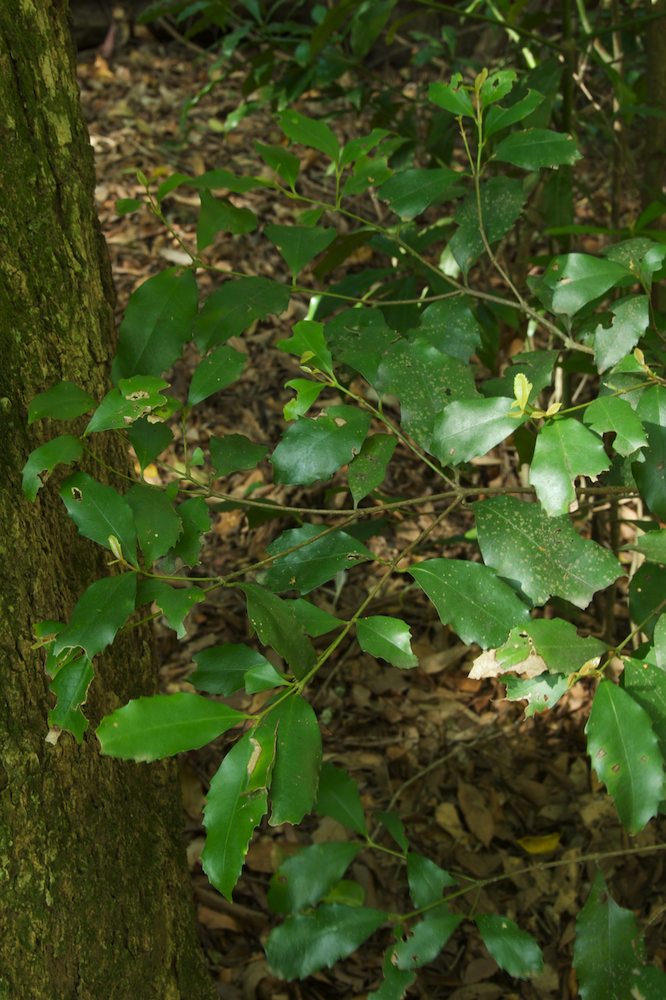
(468, 774)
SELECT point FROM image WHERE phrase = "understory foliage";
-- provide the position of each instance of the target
(396, 359)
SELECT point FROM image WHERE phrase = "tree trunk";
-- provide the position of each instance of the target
(94, 896)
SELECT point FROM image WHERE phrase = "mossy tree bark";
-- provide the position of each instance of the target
(95, 902)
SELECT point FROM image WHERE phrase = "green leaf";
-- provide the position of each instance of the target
(308, 343)
(652, 545)
(359, 338)
(126, 205)
(216, 371)
(175, 602)
(275, 623)
(301, 881)
(395, 981)
(339, 798)
(298, 761)
(307, 942)
(281, 161)
(426, 939)
(395, 827)
(99, 512)
(162, 725)
(219, 215)
(471, 599)
(60, 450)
(641, 256)
(357, 148)
(195, 519)
(451, 327)
(411, 191)
(646, 683)
(388, 638)
(534, 148)
(314, 620)
(63, 401)
(502, 200)
(515, 951)
(649, 475)
(148, 440)
(427, 880)
(559, 644)
(369, 172)
(309, 132)
(225, 669)
(536, 366)
(496, 86)
(236, 306)
(541, 693)
(615, 415)
(564, 449)
(469, 428)
(608, 951)
(102, 609)
(314, 563)
(499, 118)
(234, 453)
(298, 245)
(157, 524)
(647, 593)
(571, 281)
(132, 399)
(452, 97)
(157, 322)
(236, 802)
(368, 470)
(544, 555)
(311, 450)
(625, 754)
(307, 393)
(631, 318)
(70, 685)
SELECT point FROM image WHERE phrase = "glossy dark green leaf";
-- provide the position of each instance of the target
(157, 524)
(307, 393)
(536, 366)
(395, 827)
(195, 519)
(502, 200)
(544, 555)
(645, 682)
(275, 623)
(311, 564)
(647, 593)
(70, 685)
(649, 475)
(625, 754)
(133, 398)
(496, 86)
(612, 414)
(281, 161)
(469, 428)
(298, 245)
(426, 939)
(361, 146)
(451, 327)
(60, 450)
(471, 599)
(157, 322)
(427, 880)
(102, 609)
(236, 306)
(452, 97)
(218, 215)
(368, 470)
(64, 401)
(307, 942)
(216, 371)
(302, 880)
(309, 132)
(631, 318)
(564, 450)
(99, 512)
(395, 981)
(411, 191)
(311, 450)
(308, 343)
(314, 620)
(339, 798)
(515, 951)
(541, 693)
(175, 602)
(387, 638)
(571, 281)
(298, 761)
(499, 118)
(534, 148)
(559, 644)
(359, 338)
(148, 440)
(640, 255)
(235, 453)
(162, 725)
(225, 669)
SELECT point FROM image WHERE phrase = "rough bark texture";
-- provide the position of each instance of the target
(94, 896)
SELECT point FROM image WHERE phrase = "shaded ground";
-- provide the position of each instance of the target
(468, 775)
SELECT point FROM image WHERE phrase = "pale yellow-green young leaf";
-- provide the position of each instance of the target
(522, 388)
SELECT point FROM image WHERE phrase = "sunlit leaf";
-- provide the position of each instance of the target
(564, 449)
(387, 638)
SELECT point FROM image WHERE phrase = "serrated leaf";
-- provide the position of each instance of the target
(195, 519)
(541, 693)
(102, 609)
(502, 200)
(275, 623)
(534, 148)
(216, 371)
(314, 620)
(307, 942)
(309, 132)
(558, 642)
(625, 754)
(59, 451)
(387, 638)
(499, 118)
(469, 428)
(148, 440)
(649, 475)
(496, 86)
(301, 881)
(221, 216)
(312, 564)
(235, 453)
(471, 599)
(571, 281)
(236, 306)
(225, 670)
(298, 761)
(162, 725)
(281, 161)
(426, 880)
(307, 393)
(564, 449)
(411, 191)
(312, 450)
(615, 415)
(339, 798)
(367, 470)
(544, 555)
(451, 326)
(157, 322)
(70, 685)
(234, 809)
(132, 399)
(452, 97)
(515, 951)
(426, 939)
(652, 544)
(157, 524)
(308, 343)
(647, 592)
(175, 602)
(395, 982)
(298, 245)
(631, 318)
(64, 401)
(99, 512)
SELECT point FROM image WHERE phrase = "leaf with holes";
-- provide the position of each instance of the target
(70, 686)
(134, 398)
(564, 449)
(426, 939)
(99, 513)
(611, 414)
(61, 450)
(631, 318)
